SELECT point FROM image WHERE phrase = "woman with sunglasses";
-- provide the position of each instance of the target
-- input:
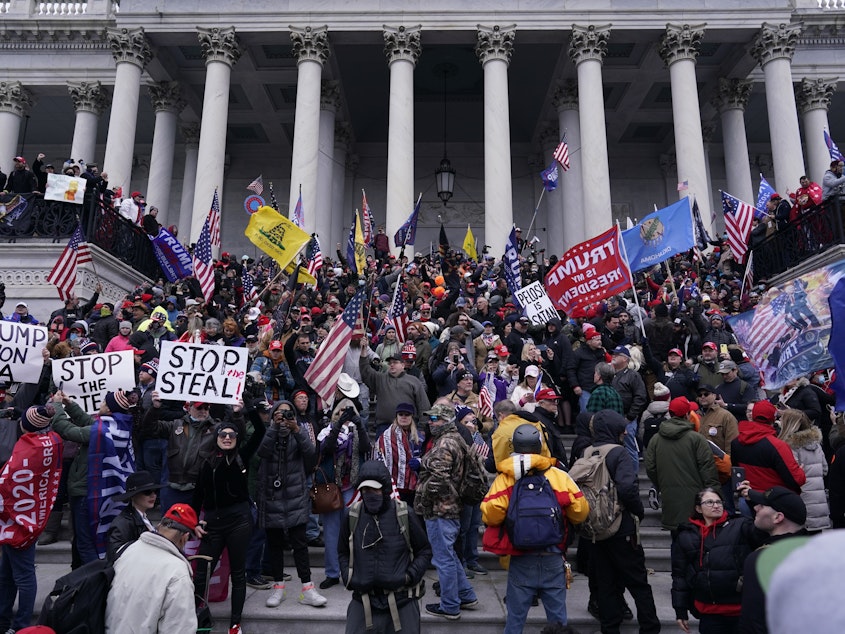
(708, 555)
(141, 493)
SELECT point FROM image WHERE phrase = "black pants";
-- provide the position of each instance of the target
(615, 564)
(294, 537)
(228, 528)
(718, 624)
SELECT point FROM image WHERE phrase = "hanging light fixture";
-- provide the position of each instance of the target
(444, 175)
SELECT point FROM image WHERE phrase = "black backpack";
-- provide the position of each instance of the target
(534, 520)
(77, 604)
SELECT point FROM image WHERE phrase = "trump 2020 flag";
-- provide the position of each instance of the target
(510, 264)
(835, 154)
(836, 345)
(660, 235)
(764, 192)
(550, 177)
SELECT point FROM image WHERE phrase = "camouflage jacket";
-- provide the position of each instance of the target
(441, 470)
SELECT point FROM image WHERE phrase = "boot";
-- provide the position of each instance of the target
(52, 530)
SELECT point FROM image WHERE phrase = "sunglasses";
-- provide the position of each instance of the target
(704, 393)
(149, 492)
(227, 434)
(433, 418)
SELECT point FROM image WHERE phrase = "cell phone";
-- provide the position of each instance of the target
(723, 348)
(737, 477)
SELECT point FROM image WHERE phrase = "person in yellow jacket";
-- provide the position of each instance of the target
(542, 571)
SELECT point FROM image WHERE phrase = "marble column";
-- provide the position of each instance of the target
(340, 204)
(167, 103)
(570, 185)
(773, 49)
(550, 215)
(221, 51)
(402, 49)
(813, 97)
(311, 50)
(131, 52)
(494, 48)
(90, 100)
(15, 102)
(587, 50)
(669, 171)
(191, 134)
(731, 102)
(322, 206)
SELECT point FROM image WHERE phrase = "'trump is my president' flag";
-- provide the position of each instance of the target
(660, 235)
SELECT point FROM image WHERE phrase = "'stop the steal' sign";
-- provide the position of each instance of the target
(88, 378)
(20, 352)
(536, 304)
(200, 372)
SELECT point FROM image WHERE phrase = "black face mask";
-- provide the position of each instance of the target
(372, 501)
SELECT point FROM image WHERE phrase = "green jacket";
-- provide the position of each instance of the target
(71, 423)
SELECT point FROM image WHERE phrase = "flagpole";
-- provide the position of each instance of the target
(93, 266)
(745, 276)
(408, 232)
(536, 208)
(620, 244)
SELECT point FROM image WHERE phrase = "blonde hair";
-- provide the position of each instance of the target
(791, 422)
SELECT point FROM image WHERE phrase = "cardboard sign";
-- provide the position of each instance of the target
(536, 304)
(201, 372)
(86, 379)
(20, 352)
(66, 189)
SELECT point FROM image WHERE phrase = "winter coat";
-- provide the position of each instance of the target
(681, 382)
(768, 461)
(582, 366)
(631, 388)
(441, 470)
(804, 399)
(836, 479)
(502, 435)
(807, 449)
(680, 464)
(390, 391)
(719, 425)
(125, 529)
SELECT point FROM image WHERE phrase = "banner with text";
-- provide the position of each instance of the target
(172, 257)
(20, 352)
(536, 304)
(201, 372)
(86, 379)
(67, 189)
(588, 272)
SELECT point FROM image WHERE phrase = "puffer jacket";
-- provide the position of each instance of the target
(807, 449)
(768, 461)
(125, 529)
(441, 470)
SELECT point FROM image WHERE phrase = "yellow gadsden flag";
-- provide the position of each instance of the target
(274, 234)
(360, 247)
(304, 277)
(469, 244)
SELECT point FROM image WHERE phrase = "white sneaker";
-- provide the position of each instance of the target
(312, 597)
(277, 596)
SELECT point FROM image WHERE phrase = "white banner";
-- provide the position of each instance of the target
(20, 352)
(201, 372)
(536, 304)
(86, 379)
(66, 189)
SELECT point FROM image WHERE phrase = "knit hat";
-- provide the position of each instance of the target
(462, 412)
(120, 402)
(126, 324)
(589, 331)
(150, 367)
(36, 419)
(661, 392)
(409, 350)
(90, 347)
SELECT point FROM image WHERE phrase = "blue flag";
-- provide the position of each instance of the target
(511, 265)
(836, 344)
(174, 260)
(660, 235)
(550, 177)
(763, 194)
(833, 150)
(350, 246)
(407, 233)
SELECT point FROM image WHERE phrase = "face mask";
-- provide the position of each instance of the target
(372, 501)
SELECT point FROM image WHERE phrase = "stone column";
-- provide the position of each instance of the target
(587, 50)
(813, 97)
(340, 204)
(322, 206)
(167, 103)
(402, 49)
(311, 50)
(221, 51)
(773, 49)
(731, 102)
(191, 134)
(131, 52)
(90, 100)
(570, 186)
(15, 102)
(494, 48)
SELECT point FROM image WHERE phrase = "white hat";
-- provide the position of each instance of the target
(348, 386)
(191, 302)
(253, 313)
(244, 257)
(22, 304)
(532, 370)
(372, 484)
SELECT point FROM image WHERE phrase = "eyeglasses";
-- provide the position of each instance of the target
(712, 503)
(227, 434)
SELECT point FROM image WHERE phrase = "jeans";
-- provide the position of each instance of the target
(631, 443)
(170, 496)
(470, 521)
(364, 399)
(540, 575)
(17, 578)
(154, 454)
(454, 586)
(583, 399)
(331, 532)
(312, 528)
(83, 536)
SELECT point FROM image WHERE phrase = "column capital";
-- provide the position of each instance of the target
(130, 45)
(708, 129)
(588, 42)
(15, 98)
(733, 94)
(329, 95)
(88, 96)
(495, 42)
(566, 96)
(814, 94)
(764, 163)
(549, 135)
(681, 41)
(775, 41)
(191, 133)
(167, 97)
(310, 44)
(402, 43)
(342, 135)
(219, 45)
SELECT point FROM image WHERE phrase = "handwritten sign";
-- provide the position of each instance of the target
(86, 379)
(66, 189)
(536, 304)
(20, 352)
(201, 372)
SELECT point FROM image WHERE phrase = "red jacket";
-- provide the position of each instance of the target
(768, 461)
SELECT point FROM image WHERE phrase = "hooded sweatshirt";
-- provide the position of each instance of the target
(768, 461)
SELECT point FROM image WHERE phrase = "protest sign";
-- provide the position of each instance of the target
(66, 189)
(536, 304)
(86, 379)
(201, 372)
(20, 352)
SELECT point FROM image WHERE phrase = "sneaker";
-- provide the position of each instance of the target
(259, 583)
(469, 573)
(469, 605)
(654, 499)
(236, 629)
(312, 597)
(328, 582)
(435, 610)
(277, 596)
(477, 568)
(286, 577)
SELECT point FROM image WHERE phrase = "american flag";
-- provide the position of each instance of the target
(768, 327)
(250, 292)
(324, 371)
(257, 185)
(738, 217)
(298, 216)
(485, 402)
(561, 154)
(367, 219)
(314, 256)
(203, 267)
(214, 220)
(683, 186)
(398, 315)
(835, 154)
(63, 274)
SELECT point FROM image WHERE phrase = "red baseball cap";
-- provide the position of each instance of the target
(676, 351)
(709, 344)
(275, 345)
(183, 515)
(679, 406)
(546, 394)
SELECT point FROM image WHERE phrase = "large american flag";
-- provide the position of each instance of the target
(561, 154)
(214, 220)
(767, 328)
(324, 371)
(398, 315)
(314, 256)
(367, 220)
(257, 185)
(203, 266)
(485, 402)
(738, 217)
(63, 274)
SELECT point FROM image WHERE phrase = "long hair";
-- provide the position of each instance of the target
(792, 421)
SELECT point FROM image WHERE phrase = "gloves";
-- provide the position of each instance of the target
(414, 464)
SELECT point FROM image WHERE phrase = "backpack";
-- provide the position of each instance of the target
(473, 485)
(534, 520)
(591, 475)
(77, 604)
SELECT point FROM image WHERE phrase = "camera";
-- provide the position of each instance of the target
(9, 412)
(254, 385)
(456, 358)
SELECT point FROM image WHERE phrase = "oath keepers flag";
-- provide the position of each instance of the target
(660, 235)
(174, 260)
(277, 236)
